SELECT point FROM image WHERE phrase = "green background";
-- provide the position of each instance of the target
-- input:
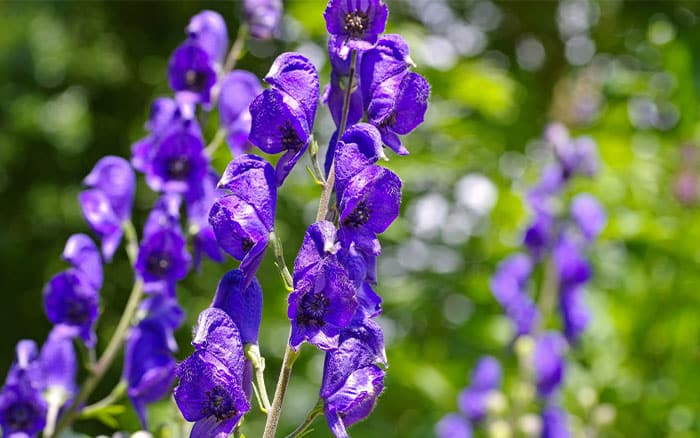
(76, 80)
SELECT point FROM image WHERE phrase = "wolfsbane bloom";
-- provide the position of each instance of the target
(208, 30)
(263, 17)
(485, 378)
(358, 22)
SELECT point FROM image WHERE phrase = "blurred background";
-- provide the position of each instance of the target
(76, 81)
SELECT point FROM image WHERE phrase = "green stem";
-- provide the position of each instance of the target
(132, 241)
(118, 392)
(237, 49)
(252, 352)
(548, 292)
(106, 359)
(280, 262)
(330, 181)
(273, 414)
(308, 421)
(215, 142)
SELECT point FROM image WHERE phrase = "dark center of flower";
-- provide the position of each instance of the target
(356, 23)
(219, 404)
(313, 309)
(76, 311)
(178, 168)
(20, 416)
(196, 80)
(388, 120)
(290, 138)
(246, 244)
(158, 264)
(359, 216)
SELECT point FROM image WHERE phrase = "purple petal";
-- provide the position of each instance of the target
(263, 17)
(575, 314)
(252, 179)
(555, 423)
(355, 400)
(278, 123)
(295, 75)
(371, 199)
(208, 30)
(100, 216)
(81, 252)
(357, 21)
(115, 177)
(237, 226)
(360, 147)
(243, 306)
(548, 363)
(163, 257)
(319, 241)
(59, 362)
(453, 426)
(388, 58)
(588, 215)
(71, 300)
(191, 74)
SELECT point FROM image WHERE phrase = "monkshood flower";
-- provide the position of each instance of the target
(210, 391)
(108, 201)
(164, 310)
(263, 17)
(509, 287)
(540, 234)
(208, 30)
(548, 363)
(283, 115)
(22, 406)
(399, 110)
(357, 22)
(588, 215)
(243, 218)
(554, 423)
(572, 267)
(575, 156)
(322, 303)
(485, 378)
(163, 260)
(575, 314)
(453, 426)
(351, 381)
(243, 306)
(71, 297)
(149, 366)
(191, 75)
(238, 89)
(384, 65)
(164, 111)
(358, 148)
(370, 202)
(178, 163)
(59, 366)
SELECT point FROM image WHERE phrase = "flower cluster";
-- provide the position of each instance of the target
(556, 240)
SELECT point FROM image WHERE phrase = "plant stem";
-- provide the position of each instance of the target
(273, 415)
(280, 262)
(253, 354)
(548, 292)
(235, 53)
(310, 417)
(132, 241)
(215, 142)
(330, 180)
(107, 357)
(117, 393)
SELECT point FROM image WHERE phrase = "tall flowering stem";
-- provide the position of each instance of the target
(115, 344)
(290, 355)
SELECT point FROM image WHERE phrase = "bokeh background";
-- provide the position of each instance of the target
(76, 80)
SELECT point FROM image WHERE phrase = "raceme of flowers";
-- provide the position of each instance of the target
(374, 98)
(556, 241)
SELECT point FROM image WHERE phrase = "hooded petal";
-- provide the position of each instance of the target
(244, 306)
(295, 75)
(191, 74)
(59, 363)
(371, 199)
(359, 148)
(278, 123)
(263, 17)
(163, 257)
(71, 300)
(548, 361)
(453, 426)
(355, 400)
(319, 242)
(588, 216)
(115, 178)
(388, 58)
(208, 30)
(81, 252)
(98, 213)
(237, 226)
(252, 179)
(238, 89)
(217, 335)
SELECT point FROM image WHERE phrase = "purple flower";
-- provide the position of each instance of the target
(359, 147)
(388, 59)
(485, 378)
(115, 178)
(588, 216)
(279, 124)
(208, 30)
(164, 310)
(81, 252)
(548, 362)
(149, 366)
(339, 56)
(108, 201)
(22, 406)
(163, 260)
(238, 89)
(334, 97)
(252, 179)
(320, 241)
(322, 303)
(179, 163)
(164, 111)
(539, 235)
(453, 426)
(399, 109)
(371, 200)
(191, 74)
(554, 423)
(22, 411)
(210, 390)
(71, 301)
(509, 287)
(59, 365)
(243, 306)
(575, 314)
(358, 22)
(263, 17)
(355, 400)
(165, 214)
(572, 266)
(576, 156)
(295, 75)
